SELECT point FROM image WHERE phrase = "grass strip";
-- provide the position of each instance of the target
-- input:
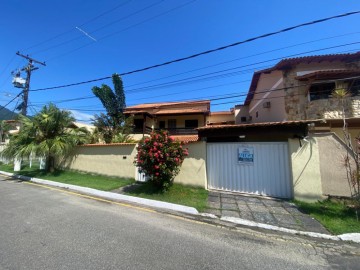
(334, 216)
(179, 194)
(100, 182)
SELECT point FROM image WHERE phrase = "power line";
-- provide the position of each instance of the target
(249, 56)
(239, 42)
(245, 93)
(18, 95)
(77, 38)
(170, 94)
(87, 22)
(126, 28)
(166, 84)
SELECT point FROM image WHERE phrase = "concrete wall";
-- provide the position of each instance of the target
(332, 165)
(117, 160)
(354, 133)
(318, 167)
(305, 165)
(193, 169)
(113, 160)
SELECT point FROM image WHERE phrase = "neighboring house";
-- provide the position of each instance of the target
(221, 118)
(287, 137)
(301, 89)
(180, 119)
(89, 128)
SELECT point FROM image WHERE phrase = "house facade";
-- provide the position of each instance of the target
(301, 89)
(287, 140)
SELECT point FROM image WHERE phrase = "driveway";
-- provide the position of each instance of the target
(259, 209)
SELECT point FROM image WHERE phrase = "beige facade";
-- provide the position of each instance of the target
(305, 166)
(242, 114)
(318, 167)
(268, 104)
(180, 120)
(301, 89)
(106, 159)
(221, 118)
(193, 169)
(117, 160)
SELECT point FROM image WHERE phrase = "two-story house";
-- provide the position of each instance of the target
(180, 119)
(287, 140)
(301, 89)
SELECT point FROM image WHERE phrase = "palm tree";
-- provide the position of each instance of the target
(4, 129)
(47, 135)
(113, 123)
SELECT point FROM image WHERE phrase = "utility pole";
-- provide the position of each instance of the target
(26, 86)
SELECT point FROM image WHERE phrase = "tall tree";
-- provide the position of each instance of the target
(113, 123)
(47, 134)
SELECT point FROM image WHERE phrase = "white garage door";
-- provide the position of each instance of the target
(259, 168)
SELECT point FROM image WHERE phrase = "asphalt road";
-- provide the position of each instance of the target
(44, 228)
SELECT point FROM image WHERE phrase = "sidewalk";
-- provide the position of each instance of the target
(258, 209)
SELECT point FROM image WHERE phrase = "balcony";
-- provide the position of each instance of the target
(180, 131)
(172, 131)
(146, 130)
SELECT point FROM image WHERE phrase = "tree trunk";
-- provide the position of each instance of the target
(50, 164)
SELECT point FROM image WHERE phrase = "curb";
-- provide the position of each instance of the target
(110, 195)
(351, 237)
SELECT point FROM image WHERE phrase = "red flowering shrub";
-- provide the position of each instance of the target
(160, 157)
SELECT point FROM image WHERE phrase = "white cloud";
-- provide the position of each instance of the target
(82, 117)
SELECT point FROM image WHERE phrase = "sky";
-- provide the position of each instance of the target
(82, 40)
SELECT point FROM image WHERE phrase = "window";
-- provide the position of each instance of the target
(171, 123)
(139, 124)
(257, 114)
(161, 124)
(321, 91)
(354, 87)
(243, 119)
(191, 123)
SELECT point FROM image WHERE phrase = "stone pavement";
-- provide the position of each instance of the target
(262, 210)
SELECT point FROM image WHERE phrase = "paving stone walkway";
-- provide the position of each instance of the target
(263, 210)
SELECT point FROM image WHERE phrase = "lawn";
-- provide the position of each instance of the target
(335, 216)
(178, 194)
(99, 182)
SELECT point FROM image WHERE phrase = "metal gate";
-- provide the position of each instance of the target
(259, 168)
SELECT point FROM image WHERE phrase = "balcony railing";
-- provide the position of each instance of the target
(180, 131)
(147, 130)
(172, 131)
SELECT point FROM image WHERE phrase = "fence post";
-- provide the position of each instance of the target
(17, 164)
(42, 163)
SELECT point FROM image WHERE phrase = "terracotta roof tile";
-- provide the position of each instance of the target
(328, 74)
(166, 104)
(222, 113)
(105, 144)
(263, 124)
(185, 138)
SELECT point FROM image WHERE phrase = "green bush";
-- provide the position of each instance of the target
(160, 158)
